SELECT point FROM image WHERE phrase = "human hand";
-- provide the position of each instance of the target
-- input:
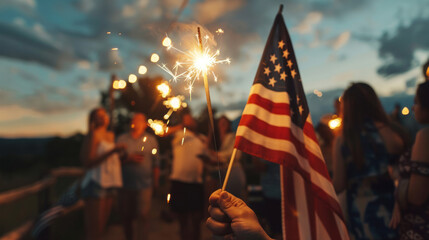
(396, 216)
(229, 214)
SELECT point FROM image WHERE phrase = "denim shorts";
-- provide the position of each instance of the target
(94, 190)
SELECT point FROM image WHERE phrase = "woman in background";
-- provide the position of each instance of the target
(362, 154)
(412, 193)
(103, 176)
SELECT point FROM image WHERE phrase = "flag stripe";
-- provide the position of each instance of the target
(318, 184)
(294, 147)
(302, 206)
(279, 120)
(271, 107)
(329, 220)
(290, 223)
(277, 97)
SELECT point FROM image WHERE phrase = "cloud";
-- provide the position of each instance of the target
(307, 24)
(15, 112)
(27, 6)
(397, 49)
(209, 10)
(339, 41)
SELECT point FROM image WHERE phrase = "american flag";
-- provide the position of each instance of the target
(276, 126)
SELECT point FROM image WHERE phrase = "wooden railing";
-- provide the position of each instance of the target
(43, 185)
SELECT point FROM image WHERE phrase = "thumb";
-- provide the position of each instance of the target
(230, 204)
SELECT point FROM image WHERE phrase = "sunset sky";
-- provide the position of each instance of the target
(55, 56)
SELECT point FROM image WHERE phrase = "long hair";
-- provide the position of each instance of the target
(92, 120)
(360, 103)
(422, 94)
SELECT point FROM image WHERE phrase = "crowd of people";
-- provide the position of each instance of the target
(378, 173)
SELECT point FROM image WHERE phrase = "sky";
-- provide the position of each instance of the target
(56, 56)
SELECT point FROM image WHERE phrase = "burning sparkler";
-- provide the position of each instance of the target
(157, 126)
(174, 104)
(164, 89)
(196, 63)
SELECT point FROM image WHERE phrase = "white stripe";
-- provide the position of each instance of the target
(277, 97)
(287, 146)
(321, 231)
(341, 228)
(281, 120)
(304, 230)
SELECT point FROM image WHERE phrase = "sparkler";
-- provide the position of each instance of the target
(157, 126)
(132, 78)
(164, 89)
(173, 104)
(196, 63)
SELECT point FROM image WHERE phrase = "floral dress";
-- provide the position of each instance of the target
(370, 197)
(414, 219)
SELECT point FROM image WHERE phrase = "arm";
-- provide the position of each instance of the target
(339, 167)
(88, 154)
(417, 188)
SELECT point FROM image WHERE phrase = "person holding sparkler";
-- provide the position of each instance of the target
(187, 195)
(140, 173)
(99, 155)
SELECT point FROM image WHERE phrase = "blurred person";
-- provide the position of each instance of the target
(229, 215)
(140, 174)
(412, 210)
(426, 70)
(361, 157)
(237, 183)
(99, 155)
(187, 192)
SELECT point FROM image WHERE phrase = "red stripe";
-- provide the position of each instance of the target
(284, 133)
(328, 219)
(290, 161)
(310, 207)
(275, 108)
(308, 130)
(290, 220)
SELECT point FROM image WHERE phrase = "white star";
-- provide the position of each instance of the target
(285, 53)
(297, 98)
(273, 58)
(283, 76)
(290, 63)
(267, 71)
(281, 44)
(278, 68)
(301, 109)
(293, 73)
(272, 81)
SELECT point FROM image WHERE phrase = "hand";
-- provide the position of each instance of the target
(396, 216)
(229, 214)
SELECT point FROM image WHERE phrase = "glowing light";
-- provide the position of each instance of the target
(108, 33)
(142, 70)
(183, 138)
(154, 151)
(405, 111)
(427, 72)
(132, 78)
(335, 123)
(194, 64)
(166, 42)
(318, 93)
(157, 126)
(220, 30)
(174, 102)
(184, 105)
(164, 89)
(115, 49)
(144, 139)
(115, 84)
(154, 58)
(168, 198)
(122, 84)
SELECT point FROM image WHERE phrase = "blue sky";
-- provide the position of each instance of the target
(55, 56)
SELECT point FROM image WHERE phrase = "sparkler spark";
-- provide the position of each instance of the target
(195, 63)
(168, 198)
(154, 58)
(157, 126)
(164, 89)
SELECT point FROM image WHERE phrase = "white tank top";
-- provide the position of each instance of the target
(108, 174)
